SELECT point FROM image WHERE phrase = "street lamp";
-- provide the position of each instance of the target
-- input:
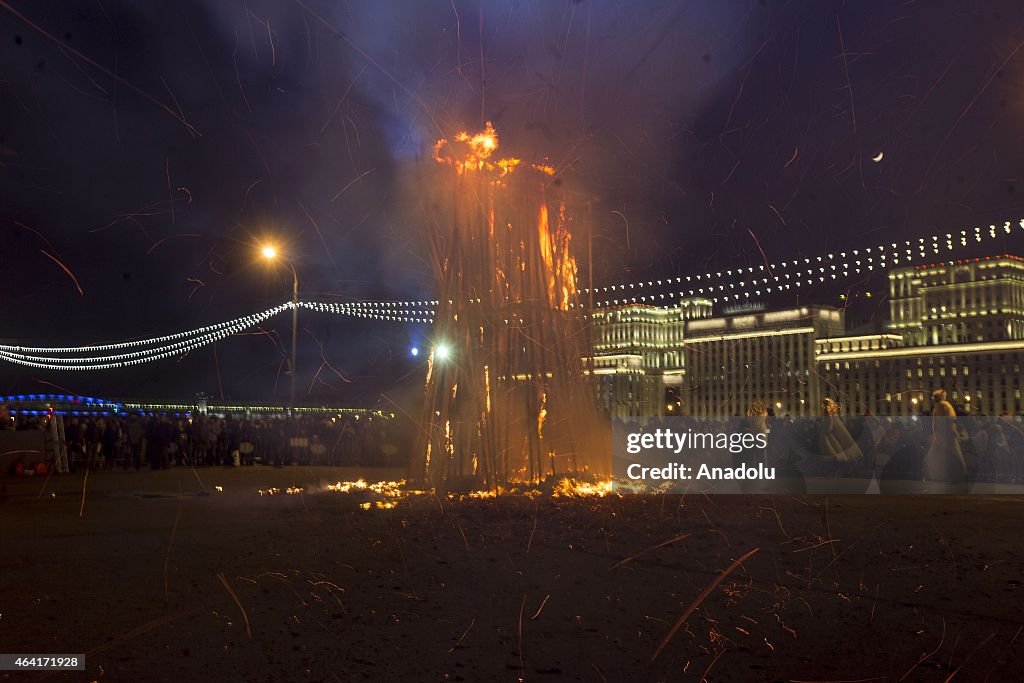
(270, 253)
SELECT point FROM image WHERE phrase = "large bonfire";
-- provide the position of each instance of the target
(506, 399)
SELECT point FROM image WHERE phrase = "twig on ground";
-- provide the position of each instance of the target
(541, 608)
(472, 623)
(929, 654)
(980, 645)
(81, 509)
(227, 587)
(530, 542)
(704, 675)
(653, 547)
(698, 600)
(167, 556)
(522, 670)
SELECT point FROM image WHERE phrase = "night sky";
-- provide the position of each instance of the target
(150, 147)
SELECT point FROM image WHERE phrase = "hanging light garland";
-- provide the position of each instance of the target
(807, 271)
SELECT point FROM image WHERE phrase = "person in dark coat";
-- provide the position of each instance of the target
(111, 443)
(92, 443)
(158, 436)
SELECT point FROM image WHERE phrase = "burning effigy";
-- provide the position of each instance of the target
(507, 398)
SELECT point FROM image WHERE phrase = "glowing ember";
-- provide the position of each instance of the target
(570, 488)
(391, 492)
(380, 505)
(273, 490)
(386, 489)
(347, 486)
(475, 495)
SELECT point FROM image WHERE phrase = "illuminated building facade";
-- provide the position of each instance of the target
(734, 360)
(956, 325)
(970, 300)
(638, 350)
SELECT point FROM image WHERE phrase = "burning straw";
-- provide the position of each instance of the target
(507, 400)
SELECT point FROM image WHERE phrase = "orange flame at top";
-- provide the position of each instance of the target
(481, 146)
(476, 152)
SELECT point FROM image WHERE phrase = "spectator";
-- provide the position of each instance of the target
(944, 461)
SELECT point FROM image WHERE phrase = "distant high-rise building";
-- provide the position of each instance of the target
(970, 300)
(956, 325)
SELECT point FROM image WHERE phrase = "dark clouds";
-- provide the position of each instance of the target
(690, 122)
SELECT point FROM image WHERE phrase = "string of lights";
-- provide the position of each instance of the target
(180, 346)
(145, 342)
(61, 364)
(781, 275)
(221, 331)
(764, 278)
(399, 311)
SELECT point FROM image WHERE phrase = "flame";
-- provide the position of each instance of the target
(474, 495)
(389, 493)
(487, 388)
(546, 251)
(542, 414)
(449, 443)
(380, 505)
(483, 144)
(570, 488)
(477, 157)
(273, 490)
(559, 266)
(490, 218)
(387, 489)
(567, 270)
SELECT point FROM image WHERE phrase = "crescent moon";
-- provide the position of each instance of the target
(878, 158)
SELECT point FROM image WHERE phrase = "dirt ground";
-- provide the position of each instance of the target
(156, 581)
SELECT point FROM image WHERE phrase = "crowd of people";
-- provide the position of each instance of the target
(161, 441)
(942, 444)
(939, 447)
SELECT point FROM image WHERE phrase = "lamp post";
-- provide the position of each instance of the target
(270, 253)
